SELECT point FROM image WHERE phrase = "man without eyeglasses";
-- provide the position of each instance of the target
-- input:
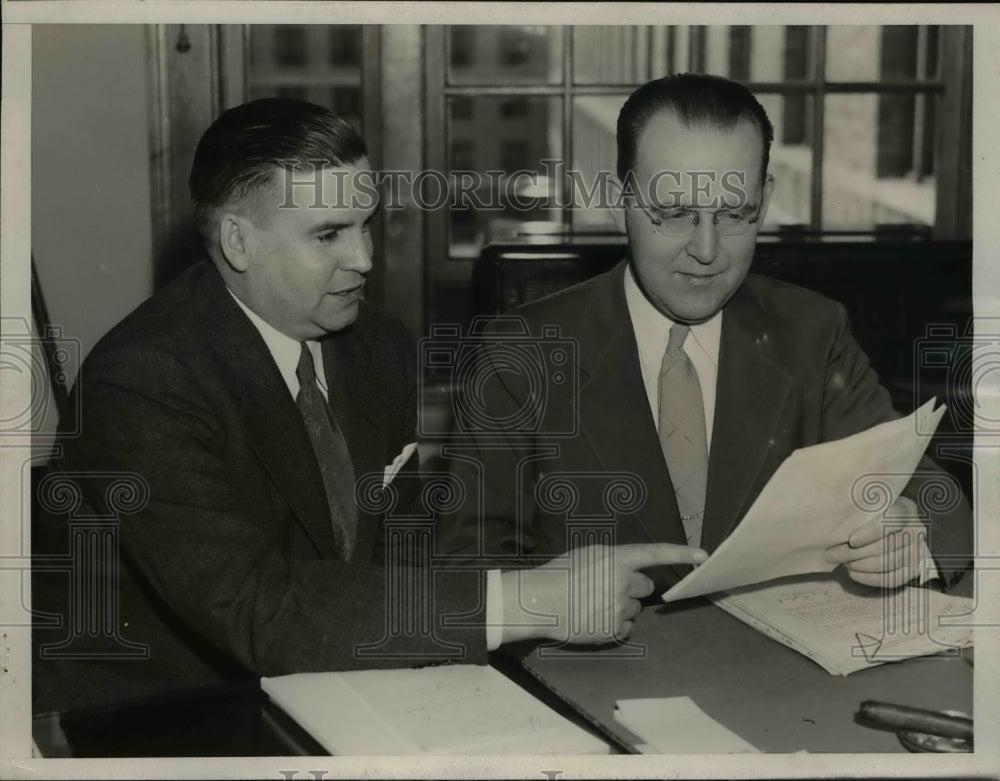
(695, 379)
(249, 399)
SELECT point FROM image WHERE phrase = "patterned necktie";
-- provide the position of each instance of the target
(331, 454)
(682, 432)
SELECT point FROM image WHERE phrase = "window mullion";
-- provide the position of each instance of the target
(567, 117)
(818, 77)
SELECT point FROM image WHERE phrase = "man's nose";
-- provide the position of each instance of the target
(704, 243)
(358, 254)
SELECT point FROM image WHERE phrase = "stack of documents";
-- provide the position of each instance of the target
(452, 709)
(815, 499)
(844, 627)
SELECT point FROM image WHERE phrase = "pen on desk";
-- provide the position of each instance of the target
(927, 721)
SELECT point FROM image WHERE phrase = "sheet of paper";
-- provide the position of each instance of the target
(815, 499)
(451, 709)
(675, 725)
(845, 627)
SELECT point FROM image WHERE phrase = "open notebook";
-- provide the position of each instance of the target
(451, 709)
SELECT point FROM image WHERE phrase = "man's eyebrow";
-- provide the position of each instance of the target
(335, 225)
(330, 225)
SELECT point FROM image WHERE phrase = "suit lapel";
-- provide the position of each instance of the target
(615, 415)
(272, 420)
(751, 393)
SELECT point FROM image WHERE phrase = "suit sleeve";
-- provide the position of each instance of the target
(228, 573)
(854, 401)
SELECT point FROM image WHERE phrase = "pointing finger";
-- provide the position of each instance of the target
(639, 556)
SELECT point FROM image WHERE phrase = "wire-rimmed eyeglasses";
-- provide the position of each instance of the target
(682, 220)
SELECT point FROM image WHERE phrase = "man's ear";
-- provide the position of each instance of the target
(617, 203)
(234, 235)
(766, 199)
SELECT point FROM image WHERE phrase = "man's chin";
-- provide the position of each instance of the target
(340, 320)
(693, 313)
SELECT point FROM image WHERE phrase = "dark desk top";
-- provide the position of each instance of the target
(771, 696)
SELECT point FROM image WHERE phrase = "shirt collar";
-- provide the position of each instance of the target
(651, 326)
(284, 350)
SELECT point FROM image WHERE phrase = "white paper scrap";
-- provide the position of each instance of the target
(675, 725)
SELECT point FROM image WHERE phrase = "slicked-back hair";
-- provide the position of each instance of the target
(237, 157)
(696, 99)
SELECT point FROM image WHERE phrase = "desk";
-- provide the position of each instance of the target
(768, 694)
(773, 697)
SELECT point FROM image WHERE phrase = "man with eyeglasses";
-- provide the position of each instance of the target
(694, 380)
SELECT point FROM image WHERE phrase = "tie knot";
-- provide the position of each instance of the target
(678, 333)
(306, 370)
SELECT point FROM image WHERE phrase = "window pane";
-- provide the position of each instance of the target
(753, 53)
(595, 155)
(881, 52)
(345, 44)
(613, 55)
(872, 171)
(852, 53)
(318, 63)
(791, 159)
(504, 54)
(488, 144)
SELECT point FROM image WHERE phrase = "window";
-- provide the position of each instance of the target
(290, 45)
(461, 108)
(346, 101)
(515, 156)
(855, 110)
(513, 108)
(515, 47)
(461, 155)
(345, 45)
(462, 41)
(290, 92)
(321, 64)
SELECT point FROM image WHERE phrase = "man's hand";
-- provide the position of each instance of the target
(885, 552)
(589, 595)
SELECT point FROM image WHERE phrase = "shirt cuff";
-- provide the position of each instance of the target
(494, 609)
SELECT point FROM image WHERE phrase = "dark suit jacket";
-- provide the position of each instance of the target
(231, 570)
(790, 375)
